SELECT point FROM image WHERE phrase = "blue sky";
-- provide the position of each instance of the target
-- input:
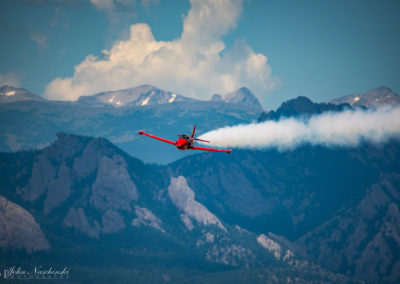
(319, 49)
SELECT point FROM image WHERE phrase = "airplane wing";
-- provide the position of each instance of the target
(210, 149)
(158, 138)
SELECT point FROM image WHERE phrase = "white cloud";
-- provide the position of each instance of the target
(348, 128)
(10, 79)
(197, 64)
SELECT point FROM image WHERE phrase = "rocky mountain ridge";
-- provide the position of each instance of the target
(253, 209)
(87, 186)
(301, 107)
(381, 96)
(143, 95)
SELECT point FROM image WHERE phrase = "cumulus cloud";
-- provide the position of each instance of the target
(348, 128)
(10, 79)
(197, 64)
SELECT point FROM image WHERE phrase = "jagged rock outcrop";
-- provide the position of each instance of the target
(43, 173)
(113, 188)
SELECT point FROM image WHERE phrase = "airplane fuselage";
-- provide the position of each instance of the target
(184, 144)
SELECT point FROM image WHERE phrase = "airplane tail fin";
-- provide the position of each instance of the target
(194, 129)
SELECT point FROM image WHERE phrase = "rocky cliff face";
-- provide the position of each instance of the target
(84, 183)
(19, 230)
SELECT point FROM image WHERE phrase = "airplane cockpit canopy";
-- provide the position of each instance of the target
(185, 136)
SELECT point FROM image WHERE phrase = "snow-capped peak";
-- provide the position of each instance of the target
(9, 94)
(144, 95)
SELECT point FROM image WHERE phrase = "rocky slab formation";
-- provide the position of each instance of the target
(183, 197)
(18, 228)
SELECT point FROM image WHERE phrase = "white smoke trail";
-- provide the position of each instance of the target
(347, 128)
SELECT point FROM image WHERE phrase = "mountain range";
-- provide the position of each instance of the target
(119, 116)
(308, 215)
(29, 121)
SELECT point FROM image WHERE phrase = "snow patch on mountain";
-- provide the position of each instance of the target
(145, 101)
(173, 96)
(183, 197)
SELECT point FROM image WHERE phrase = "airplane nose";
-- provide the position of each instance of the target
(180, 142)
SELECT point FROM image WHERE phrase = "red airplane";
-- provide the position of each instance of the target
(185, 142)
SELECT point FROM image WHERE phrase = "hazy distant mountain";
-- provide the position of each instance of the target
(241, 96)
(10, 94)
(144, 95)
(377, 97)
(301, 106)
(35, 123)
